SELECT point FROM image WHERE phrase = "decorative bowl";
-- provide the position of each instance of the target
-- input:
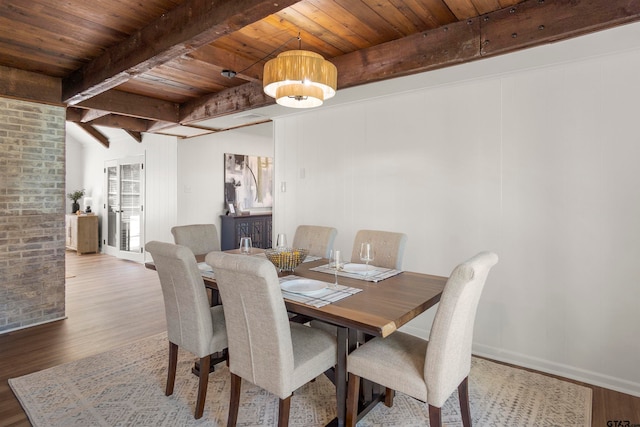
(286, 259)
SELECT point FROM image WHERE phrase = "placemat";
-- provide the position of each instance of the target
(325, 297)
(377, 274)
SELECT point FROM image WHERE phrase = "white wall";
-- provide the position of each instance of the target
(538, 165)
(201, 170)
(74, 173)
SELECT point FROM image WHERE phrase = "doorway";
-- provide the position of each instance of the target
(123, 215)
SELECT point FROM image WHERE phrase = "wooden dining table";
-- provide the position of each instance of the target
(380, 309)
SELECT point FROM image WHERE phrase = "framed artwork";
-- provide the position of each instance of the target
(248, 181)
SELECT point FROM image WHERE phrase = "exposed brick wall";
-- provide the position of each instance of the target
(32, 185)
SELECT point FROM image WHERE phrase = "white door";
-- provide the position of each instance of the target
(123, 210)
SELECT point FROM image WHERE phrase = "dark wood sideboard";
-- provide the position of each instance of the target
(258, 227)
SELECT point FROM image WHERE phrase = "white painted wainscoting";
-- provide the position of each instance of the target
(538, 165)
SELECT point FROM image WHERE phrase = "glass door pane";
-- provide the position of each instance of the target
(124, 208)
(113, 205)
(130, 207)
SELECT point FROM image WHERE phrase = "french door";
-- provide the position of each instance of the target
(123, 215)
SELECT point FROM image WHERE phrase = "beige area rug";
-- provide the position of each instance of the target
(125, 387)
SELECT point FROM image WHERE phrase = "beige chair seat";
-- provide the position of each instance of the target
(311, 351)
(396, 361)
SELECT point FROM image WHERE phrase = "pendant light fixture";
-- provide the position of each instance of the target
(300, 79)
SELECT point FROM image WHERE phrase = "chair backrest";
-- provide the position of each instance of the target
(388, 247)
(189, 322)
(260, 346)
(317, 239)
(448, 358)
(200, 238)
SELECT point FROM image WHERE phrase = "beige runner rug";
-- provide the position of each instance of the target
(125, 387)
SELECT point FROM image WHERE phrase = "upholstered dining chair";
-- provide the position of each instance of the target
(317, 239)
(191, 323)
(264, 347)
(200, 238)
(427, 370)
(387, 246)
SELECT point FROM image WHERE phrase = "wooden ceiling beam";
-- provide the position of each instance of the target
(129, 104)
(441, 47)
(74, 114)
(94, 133)
(25, 85)
(531, 23)
(159, 125)
(135, 135)
(132, 124)
(189, 26)
(537, 22)
(90, 115)
(229, 101)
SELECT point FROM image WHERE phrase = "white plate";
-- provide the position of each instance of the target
(358, 268)
(203, 266)
(303, 286)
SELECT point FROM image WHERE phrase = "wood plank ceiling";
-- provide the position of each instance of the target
(148, 66)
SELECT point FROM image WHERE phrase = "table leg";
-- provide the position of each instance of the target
(341, 375)
(215, 359)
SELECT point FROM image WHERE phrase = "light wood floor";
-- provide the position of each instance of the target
(111, 303)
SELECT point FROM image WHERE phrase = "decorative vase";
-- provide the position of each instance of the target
(75, 207)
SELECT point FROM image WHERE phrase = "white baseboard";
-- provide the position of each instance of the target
(32, 325)
(566, 371)
(542, 365)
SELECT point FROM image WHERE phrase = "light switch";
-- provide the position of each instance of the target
(283, 187)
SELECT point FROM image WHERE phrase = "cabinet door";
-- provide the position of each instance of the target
(256, 227)
(87, 234)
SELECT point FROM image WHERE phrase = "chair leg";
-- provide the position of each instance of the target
(202, 385)
(352, 400)
(389, 393)
(463, 396)
(284, 407)
(435, 418)
(234, 400)
(171, 373)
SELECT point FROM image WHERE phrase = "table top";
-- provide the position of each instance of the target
(379, 310)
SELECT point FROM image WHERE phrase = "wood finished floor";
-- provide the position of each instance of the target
(111, 302)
